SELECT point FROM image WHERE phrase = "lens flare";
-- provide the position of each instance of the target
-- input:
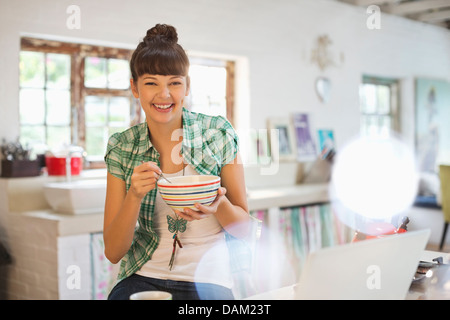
(259, 263)
(374, 177)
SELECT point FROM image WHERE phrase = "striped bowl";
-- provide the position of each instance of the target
(183, 192)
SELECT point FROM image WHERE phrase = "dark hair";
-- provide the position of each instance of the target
(159, 53)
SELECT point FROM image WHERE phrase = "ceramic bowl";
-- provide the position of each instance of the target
(183, 192)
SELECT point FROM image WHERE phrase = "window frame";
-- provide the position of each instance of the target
(230, 67)
(45, 89)
(78, 52)
(394, 102)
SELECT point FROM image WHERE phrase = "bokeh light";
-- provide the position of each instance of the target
(374, 177)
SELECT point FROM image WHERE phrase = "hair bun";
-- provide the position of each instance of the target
(161, 32)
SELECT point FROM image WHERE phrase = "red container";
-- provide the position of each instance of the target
(56, 166)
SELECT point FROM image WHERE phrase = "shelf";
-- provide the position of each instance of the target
(287, 196)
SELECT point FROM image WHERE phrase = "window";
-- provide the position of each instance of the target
(107, 101)
(44, 96)
(379, 106)
(74, 94)
(212, 87)
(80, 94)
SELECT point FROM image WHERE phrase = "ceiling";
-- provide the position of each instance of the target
(436, 12)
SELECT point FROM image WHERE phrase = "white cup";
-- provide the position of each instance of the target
(151, 295)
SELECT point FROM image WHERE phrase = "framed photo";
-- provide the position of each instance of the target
(326, 142)
(282, 139)
(259, 147)
(432, 129)
(306, 147)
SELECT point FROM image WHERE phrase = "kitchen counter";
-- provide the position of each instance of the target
(24, 197)
(67, 225)
(27, 193)
(258, 199)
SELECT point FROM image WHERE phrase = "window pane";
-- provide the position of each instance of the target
(31, 68)
(383, 99)
(96, 138)
(58, 71)
(384, 123)
(58, 107)
(57, 136)
(95, 72)
(95, 110)
(208, 89)
(371, 125)
(369, 98)
(32, 106)
(118, 74)
(119, 111)
(30, 135)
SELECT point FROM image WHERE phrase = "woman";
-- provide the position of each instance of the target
(172, 141)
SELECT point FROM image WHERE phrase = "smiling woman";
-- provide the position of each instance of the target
(162, 82)
(138, 156)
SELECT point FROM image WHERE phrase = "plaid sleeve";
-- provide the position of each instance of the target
(113, 157)
(226, 142)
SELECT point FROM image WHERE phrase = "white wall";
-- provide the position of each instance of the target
(274, 37)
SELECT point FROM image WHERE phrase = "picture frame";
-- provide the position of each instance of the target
(326, 142)
(304, 139)
(282, 139)
(259, 147)
(432, 98)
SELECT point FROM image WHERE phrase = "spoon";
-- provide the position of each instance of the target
(161, 175)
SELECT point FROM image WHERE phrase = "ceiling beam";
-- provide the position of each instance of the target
(416, 6)
(436, 12)
(441, 15)
(365, 3)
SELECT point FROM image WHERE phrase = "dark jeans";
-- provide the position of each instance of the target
(180, 290)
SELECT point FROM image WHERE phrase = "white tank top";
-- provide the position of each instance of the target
(204, 256)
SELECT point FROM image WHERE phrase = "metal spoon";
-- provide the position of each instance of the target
(161, 175)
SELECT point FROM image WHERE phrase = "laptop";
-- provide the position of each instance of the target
(370, 269)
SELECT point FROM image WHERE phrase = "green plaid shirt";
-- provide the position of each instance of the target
(209, 142)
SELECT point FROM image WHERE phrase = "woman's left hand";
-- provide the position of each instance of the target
(203, 211)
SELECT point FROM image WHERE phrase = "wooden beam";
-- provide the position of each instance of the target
(366, 3)
(417, 6)
(441, 15)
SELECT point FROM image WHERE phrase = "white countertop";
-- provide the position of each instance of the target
(66, 224)
(258, 199)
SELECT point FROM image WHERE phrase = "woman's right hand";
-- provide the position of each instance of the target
(144, 178)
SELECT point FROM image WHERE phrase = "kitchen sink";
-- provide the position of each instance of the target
(77, 196)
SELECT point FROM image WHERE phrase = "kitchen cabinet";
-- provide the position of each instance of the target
(56, 256)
